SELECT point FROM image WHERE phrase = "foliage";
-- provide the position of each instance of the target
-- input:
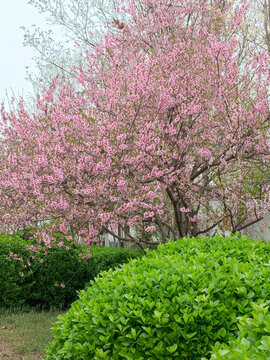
(176, 302)
(253, 341)
(51, 278)
(167, 134)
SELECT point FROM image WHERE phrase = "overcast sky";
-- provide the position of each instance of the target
(14, 56)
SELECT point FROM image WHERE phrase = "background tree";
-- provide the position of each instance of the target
(86, 21)
(169, 132)
(73, 28)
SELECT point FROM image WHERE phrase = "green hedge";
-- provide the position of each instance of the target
(174, 303)
(105, 258)
(62, 267)
(14, 289)
(54, 282)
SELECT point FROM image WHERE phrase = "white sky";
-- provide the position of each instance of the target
(14, 56)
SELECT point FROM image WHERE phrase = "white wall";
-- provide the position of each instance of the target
(259, 231)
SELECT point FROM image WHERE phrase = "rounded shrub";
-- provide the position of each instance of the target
(174, 303)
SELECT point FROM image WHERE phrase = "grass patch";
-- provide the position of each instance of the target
(24, 335)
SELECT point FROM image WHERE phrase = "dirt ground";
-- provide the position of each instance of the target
(24, 336)
(10, 349)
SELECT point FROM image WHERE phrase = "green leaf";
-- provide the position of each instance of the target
(186, 318)
(265, 341)
(172, 348)
(245, 343)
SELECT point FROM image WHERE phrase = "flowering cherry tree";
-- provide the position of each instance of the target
(165, 133)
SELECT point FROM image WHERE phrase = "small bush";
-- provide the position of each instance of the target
(64, 268)
(52, 280)
(105, 258)
(55, 282)
(14, 289)
(253, 341)
(174, 303)
(39, 285)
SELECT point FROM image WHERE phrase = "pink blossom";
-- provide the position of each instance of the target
(63, 228)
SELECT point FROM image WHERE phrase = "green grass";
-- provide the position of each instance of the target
(24, 335)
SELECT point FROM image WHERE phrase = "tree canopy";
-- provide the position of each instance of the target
(163, 130)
